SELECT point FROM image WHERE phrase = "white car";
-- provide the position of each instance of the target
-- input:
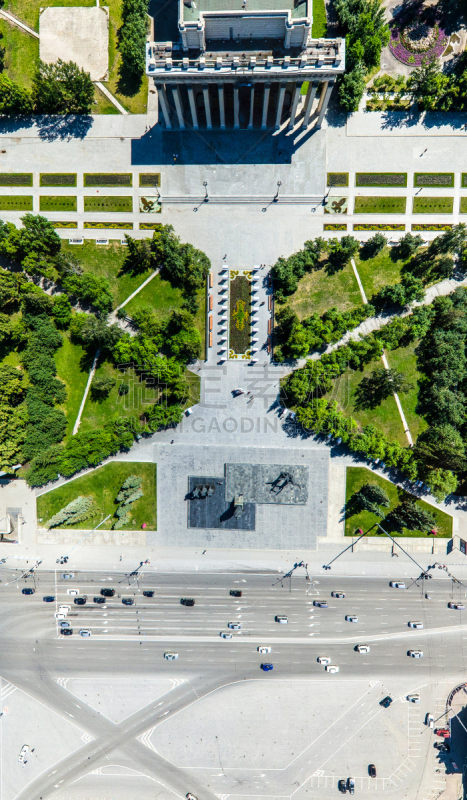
(60, 615)
(64, 623)
(23, 752)
(397, 585)
(331, 668)
(190, 796)
(339, 595)
(351, 618)
(282, 620)
(235, 626)
(64, 609)
(67, 576)
(362, 648)
(170, 656)
(85, 632)
(323, 660)
(264, 649)
(413, 698)
(415, 624)
(72, 592)
(430, 720)
(225, 635)
(415, 653)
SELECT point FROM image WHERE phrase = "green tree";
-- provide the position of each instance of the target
(132, 43)
(412, 516)
(139, 257)
(441, 482)
(36, 238)
(102, 386)
(351, 88)
(61, 311)
(379, 385)
(95, 332)
(13, 98)
(427, 86)
(373, 246)
(451, 241)
(407, 247)
(441, 447)
(62, 88)
(369, 498)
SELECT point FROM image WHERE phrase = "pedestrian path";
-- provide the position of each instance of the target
(15, 21)
(110, 97)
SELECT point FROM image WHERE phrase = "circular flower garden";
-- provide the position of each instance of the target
(414, 40)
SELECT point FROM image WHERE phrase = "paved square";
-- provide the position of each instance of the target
(76, 34)
(267, 483)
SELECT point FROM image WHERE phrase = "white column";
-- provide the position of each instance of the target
(220, 91)
(194, 115)
(280, 105)
(164, 105)
(264, 121)
(296, 98)
(207, 107)
(236, 108)
(178, 106)
(252, 107)
(310, 98)
(322, 95)
(324, 105)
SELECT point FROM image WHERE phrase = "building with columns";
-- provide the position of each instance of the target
(244, 64)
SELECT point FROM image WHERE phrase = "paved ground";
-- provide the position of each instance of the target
(76, 34)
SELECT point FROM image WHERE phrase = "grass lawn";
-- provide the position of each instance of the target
(338, 179)
(378, 272)
(318, 291)
(15, 178)
(22, 52)
(433, 179)
(319, 25)
(11, 202)
(381, 179)
(103, 484)
(404, 360)
(72, 368)
(357, 476)
(57, 203)
(463, 205)
(433, 205)
(102, 104)
(114, 179)
(149, 179)
(380, 205)
(57, 179)
(109, 204)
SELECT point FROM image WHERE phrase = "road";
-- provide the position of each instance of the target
(131, 640)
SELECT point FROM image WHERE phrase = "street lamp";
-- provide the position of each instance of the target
(206, 196)
(276, 196)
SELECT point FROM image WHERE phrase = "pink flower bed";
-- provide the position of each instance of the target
(412, 58)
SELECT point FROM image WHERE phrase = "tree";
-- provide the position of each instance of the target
(139, 257)
(340, 251)
(369, 498)
(351, 88)
(366, 29)
(95, 331)
(441, 447)
(102, 386)
(80, 509)
(407, 247)
(380, 384)
(91, 288)
(182, 336)
(451, 241)
(412, 516)
(13, 98)
(441, 482)
(427, 86)
(37, 238)
(133, 43)
(61, 311)
(373, 246)
(62, 88)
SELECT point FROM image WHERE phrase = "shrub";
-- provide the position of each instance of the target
(90, 288)
(80, 509)
(62, 88)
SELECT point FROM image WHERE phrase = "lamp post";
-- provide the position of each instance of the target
(276, 196)
(206, 196)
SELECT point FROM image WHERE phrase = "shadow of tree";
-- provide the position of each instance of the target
(68, 126)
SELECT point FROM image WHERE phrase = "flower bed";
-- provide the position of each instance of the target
(121, 226)
(109, 204)
(239, 313)
(381, 179)
(16, 179)
(379, 205)
(149, 226)
(376, 227)
(149, 179)
(433, 179)
(433, 205)
(64, 224)
(108, 179)
(331, 227)
(12, 202)
(57, 179)
(57, 203)
(431, 227)
(338, 179)
(417, 41)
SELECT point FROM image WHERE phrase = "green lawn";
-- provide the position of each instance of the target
(12, 202)
(433, 179)
(114, 179)
(433, 205)
(102, 104)
(357, 476)
(103, 484)
(57, 179)
(318, 291)
(72, 368)
(378, 272)
(15, 178)
(319, 25)
(381, 179)
(404, 360)
(463, 205)
(338, 179)
(379, 205)
(108, 204)
(22, 52)
(57, 203)
(152, 179)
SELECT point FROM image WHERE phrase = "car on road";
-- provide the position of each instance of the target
(49, 598)
(264, 649)
(66, 631)
(267, 667)
(282, 620)
(170, 656)
(99, 600)
(64, 623)
(107, 592)
(320, 603)
(443, 747)
(386, 702)
(190, 796)
(428, 596)
(415, 653)
(397, 585)
(235, 593)
(59, 615)
(444, 732)
(67, 576)
(457, 606)
(85, 633)
(362, 648)
(415, 624)
(339, 595)
(80, 601)
(234, 626)
(342, 786)
(73, 592)
(187, 601)
(27, 591)
(413, 698)
(351, 785)
(372, 770)
(237, 392)
(127, 601)
(325, 660)
(23, 752)
(429, 720)
(332, 668)
(64, 609)
(225, 635)
(148, 593)
(351, 618)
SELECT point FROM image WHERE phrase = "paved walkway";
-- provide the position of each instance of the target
(15, 21)
(110, 97)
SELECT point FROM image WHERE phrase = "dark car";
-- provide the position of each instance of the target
(99, 600)
(148, 593)
(48, 598)
(27, 591)
(267, 667)
(386, 702)
(372, 771)
(187, 601)
(351, 785)
(107, 592)
(320, 603)
(80, 601)
(235, 593)
(342, 786)
(66, 631)
(443, 747)
(127, 601)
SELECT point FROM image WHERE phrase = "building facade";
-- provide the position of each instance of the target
(244, 64)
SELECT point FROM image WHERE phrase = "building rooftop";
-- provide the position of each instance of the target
(193, 8)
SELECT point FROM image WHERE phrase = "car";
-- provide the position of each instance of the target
(66, 631)
(27, 591)
(429, 720)
(85, 633)
(225, 635)
(332, 668)
(457, 606)
(386, 702)
(73, 592)
(264, 649)
(49, 598)
(67, 576)
(397, 584)
(80, 601)
(234, 626)
(320, 603)
(342, 786)
(428, 596)
(99, 600)
(59, 615)
(415, 624)
(362, 648)
(323, 660)
(107, 592)
(339, 595)
(444, 732)
(170, 656)
(190, 796)
(442, 747)
(351, 785)
(63, 609)
(351, 618)
(148, 593)
(187, 601)
(282, 620)
(267, 667)
(413, 698)
(23, 752)
(372, 770)
(235, 593)
(127, 601)
(415, 653)
(64, 623)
